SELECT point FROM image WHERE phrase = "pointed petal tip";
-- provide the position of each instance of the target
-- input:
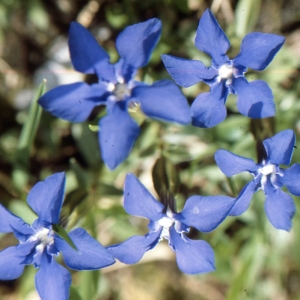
(211, 39)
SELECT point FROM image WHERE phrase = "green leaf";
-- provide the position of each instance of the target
(27, 136)
(165, 177)
(87, 143)
(89, 281)
(246, 15)
(60, 231)
(30, 127)
(74, 295)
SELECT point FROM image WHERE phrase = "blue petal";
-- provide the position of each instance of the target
(258, 49)
(73, 102)
(11, 223)
(193, 257)
(231, 164)
(291, 179)
(208, 109)
(254, 99)
(52, 281)
(187, 72)
(90, 254)
(139, 202)
(205, 213)
(11, 263)
(46, 198)
(87, 55)
(136, 42)
(280, 207)
(280, 147)
(118, 132)
(132, 250)
(243, 200)
(163, 100)
(211, 39)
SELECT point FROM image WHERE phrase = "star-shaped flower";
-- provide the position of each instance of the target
(39, 244)
(268, 176)
(116, 88)
(254, 99)
(203, 213)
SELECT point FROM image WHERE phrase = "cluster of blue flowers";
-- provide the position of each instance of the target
(118, 90)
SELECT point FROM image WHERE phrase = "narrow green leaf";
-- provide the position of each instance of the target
(31, 125)
(89, 281)
(165, 177)
(27, 136)
(80, 173)
(60, 231)
(87, 142)
(74, 295)
(246, 15)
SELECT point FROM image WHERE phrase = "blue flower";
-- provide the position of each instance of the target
(39, 244)
(254, 99)
(203, 213)
(269, 177)
(116, 88)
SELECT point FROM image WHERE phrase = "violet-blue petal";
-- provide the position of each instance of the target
(231, 164)
(132, 250)
(46, 198)
(291, 179)
(52, 281)
(118, 132)
(254, 99)
(163, 100)
(211, 39)
(258, 49)
(139, 202)
(205, 213)
(87, 55)
(208, 109)
(243, 200)
(11, 223)
(186, 72)
(11, 263)
(136, 42)
(279, 206)
(193, 257)
(280, 147)
(73, 102)
(90, 254)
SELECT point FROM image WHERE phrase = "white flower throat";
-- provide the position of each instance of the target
(44, 238)
(166, 223)
(119, 90)
(226, 71)
(265, 171)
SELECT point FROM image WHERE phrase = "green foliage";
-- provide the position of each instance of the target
(254, 261)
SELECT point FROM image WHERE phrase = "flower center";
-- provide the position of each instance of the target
(165, 223)
(265, 171)
(226, 71)
(268, 169)
(121, 91)
(43, 236)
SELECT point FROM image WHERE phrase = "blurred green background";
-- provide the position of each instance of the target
(253, 260)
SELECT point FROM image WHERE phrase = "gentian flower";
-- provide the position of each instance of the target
(203, 213)
(116, 88)
(268, 176)
(254, 99)
(39, 244)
